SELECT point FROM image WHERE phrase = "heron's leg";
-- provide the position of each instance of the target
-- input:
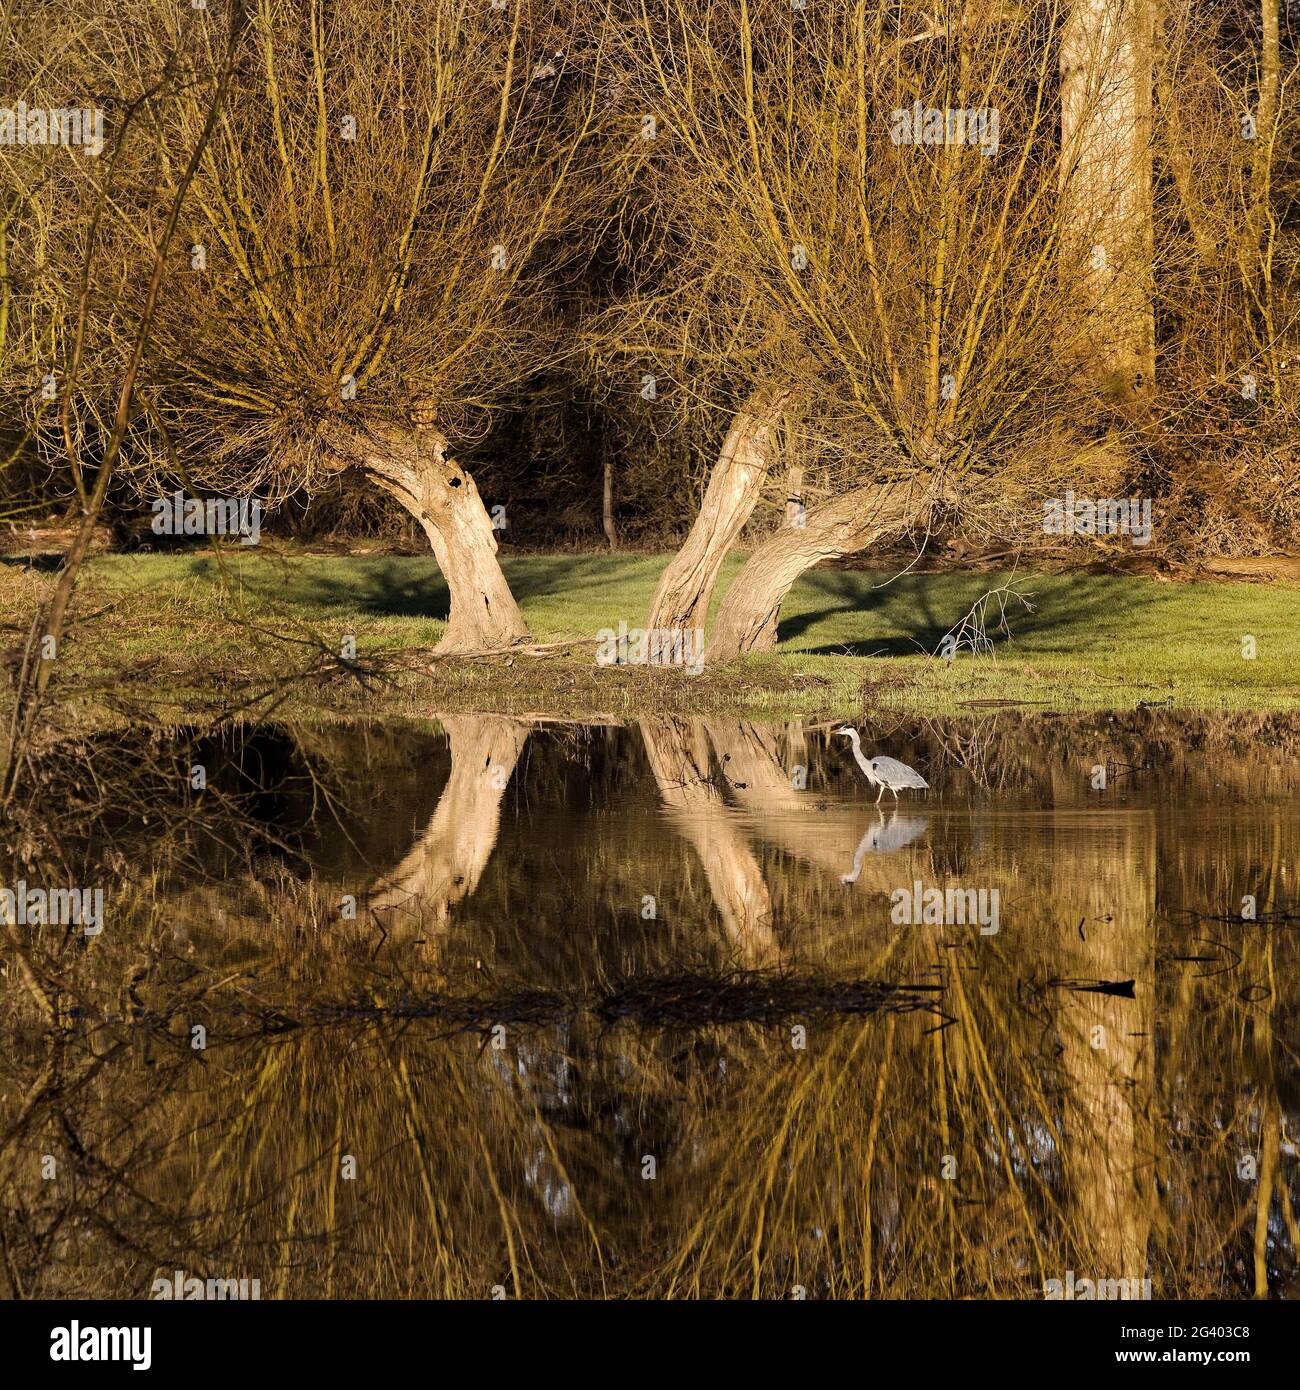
(895, 791)
(880, 794)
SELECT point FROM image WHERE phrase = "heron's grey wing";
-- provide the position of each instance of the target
(895, 774)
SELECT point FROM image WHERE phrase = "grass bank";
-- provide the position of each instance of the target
(184, 628)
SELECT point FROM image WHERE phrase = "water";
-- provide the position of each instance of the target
(483, 1007)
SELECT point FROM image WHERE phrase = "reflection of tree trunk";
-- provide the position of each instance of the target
(752, 766)
(796, 745)
(1106, 181)
(414, 467)
(752, 605)
(1108, 1153)
(685, 588)
(679, 759)
(446, 863)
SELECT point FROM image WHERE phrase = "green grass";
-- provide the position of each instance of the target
(848, 638)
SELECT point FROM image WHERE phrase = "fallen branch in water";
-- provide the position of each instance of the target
(672, 1001)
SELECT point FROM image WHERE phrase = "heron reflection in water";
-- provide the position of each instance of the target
(886, 837)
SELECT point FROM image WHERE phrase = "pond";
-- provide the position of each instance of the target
(486, 1007)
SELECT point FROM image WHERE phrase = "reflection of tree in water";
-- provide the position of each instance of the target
(447, 861)
(521, 1165)
(1108, 1044)
(679, 759)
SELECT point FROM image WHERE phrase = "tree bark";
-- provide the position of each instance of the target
(607, 503)
(751, 607)
(414, 467)
(1106, 187)
(1270, 76)
(685, 588)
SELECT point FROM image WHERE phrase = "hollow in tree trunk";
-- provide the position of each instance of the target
(685, 588)
(751, 607)
(413, 465)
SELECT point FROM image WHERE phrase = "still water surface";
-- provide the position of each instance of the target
(492, 1006)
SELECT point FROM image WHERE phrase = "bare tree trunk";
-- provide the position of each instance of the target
(607, 503)
(1256, 259)
(1261, 166)
(751, 607)
(414, 467)
(1106, 186)
(685, 588)
(1176, 146)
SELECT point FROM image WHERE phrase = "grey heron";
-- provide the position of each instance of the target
(885, 773)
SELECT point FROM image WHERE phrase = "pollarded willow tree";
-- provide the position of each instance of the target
(879, 191)
(60, 292)
(372, 252)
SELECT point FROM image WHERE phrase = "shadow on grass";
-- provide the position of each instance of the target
(396, 587)
(45, 564)
(413, 586)
(909, 616)
(543, 576)
(928, 607)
